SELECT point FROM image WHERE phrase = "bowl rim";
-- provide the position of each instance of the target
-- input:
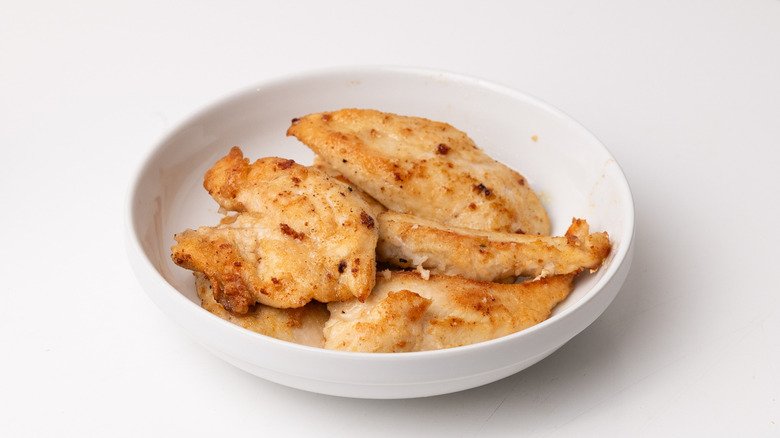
(144, 266)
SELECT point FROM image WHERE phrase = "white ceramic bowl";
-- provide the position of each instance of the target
(573, 172)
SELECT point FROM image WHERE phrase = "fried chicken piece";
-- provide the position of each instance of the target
(323, 166)
(409, 241)
(303, 325)
(406, 312)
(239, 186)
(300, 236)
(425, 168)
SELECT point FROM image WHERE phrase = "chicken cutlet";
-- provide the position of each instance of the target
(408, 242)
(303, 325)
(299, 236)
(425, 168)
(406, 312)
(323, 166)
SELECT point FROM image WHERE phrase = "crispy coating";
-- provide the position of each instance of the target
(299, 236)
(408, 241)
(425, 168)
(303, 325)
(406, 312)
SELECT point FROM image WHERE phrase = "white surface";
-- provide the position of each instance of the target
(565, 164)
(684, 93)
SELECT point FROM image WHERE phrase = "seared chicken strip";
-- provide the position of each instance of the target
(406, 312)
(303, 325)
(409, 241)
(425, 168)
(300, 236)
(273, 183)
(323, 166)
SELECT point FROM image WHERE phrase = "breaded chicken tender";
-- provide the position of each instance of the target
(299, 236)
(303, 325)
(425, 168)
(408, 242)
(406, 312)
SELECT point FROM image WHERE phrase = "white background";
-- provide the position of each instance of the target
(685, 94)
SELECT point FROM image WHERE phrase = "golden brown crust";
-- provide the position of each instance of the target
(393, 324)
(426, 168)
(408, 241)
(406, 312)
(220, 260)
(303, 325)
(299, 236)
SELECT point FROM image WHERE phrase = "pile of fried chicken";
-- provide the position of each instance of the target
(402, 236)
